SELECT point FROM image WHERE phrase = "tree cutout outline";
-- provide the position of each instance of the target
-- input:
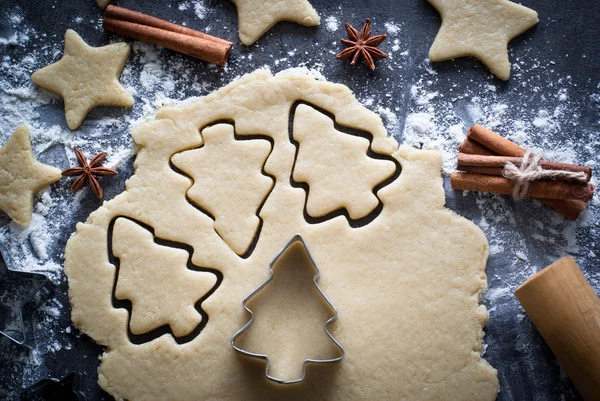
(295, 239)
(202, 164)
(370, 154)
(126, 304)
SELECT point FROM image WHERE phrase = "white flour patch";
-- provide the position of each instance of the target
(392, 28)
(200, 9)
(332, 23)
(389, 118)
(197, 6)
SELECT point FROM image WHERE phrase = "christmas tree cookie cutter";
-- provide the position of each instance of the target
(296, 238)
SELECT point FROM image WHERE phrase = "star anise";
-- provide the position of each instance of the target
(87, 172)
(362, 44)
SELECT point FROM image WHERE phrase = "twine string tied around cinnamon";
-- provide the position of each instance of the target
(531, 171)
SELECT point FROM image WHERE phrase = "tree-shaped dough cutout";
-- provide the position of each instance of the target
(336, 166)
(228, 182)
(290, 320)
(157, 281)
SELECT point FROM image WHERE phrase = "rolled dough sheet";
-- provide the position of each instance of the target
(406, 284)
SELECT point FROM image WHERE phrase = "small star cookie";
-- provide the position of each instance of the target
(255, 17)
(482, 29)
(86, 77)
(21, 176)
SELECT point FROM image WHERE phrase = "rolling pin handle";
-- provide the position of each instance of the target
(566, 310)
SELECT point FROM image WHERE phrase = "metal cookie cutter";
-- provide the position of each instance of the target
(22, 293)
(295, 238)
(67, 388)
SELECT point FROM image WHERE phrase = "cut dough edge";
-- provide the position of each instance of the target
(104, 380)
(406, 163)
(409, 158)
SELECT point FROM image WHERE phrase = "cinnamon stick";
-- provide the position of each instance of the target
(163, 33)
(124, 14)
(465, 160)
(471, 147)
(495, 142)
(570, 208)
(497, 171)
(504, 186)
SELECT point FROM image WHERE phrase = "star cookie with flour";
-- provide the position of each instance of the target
(21, 176)
(255, 17)
(482, 29)
(86, 77)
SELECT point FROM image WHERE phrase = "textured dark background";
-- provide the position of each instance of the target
(567, 30)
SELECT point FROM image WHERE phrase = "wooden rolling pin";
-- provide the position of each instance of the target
(566, 311)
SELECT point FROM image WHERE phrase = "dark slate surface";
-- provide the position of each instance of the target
(527, 369)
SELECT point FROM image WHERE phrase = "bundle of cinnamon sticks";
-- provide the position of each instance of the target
(163, 33)
(482, 159)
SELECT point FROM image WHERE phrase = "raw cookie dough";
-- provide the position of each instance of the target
(482, 29)
(102, 3)
(406, 285)
(21, 176)
(334, 166)
(86, 77)
(255, 17)
(228, 168)
(143, 261)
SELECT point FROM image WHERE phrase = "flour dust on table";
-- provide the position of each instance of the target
(421, 104)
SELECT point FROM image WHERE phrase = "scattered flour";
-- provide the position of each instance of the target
(198, 6)
(200, 9)
(425, 117)
(392, 28)
(441, 120)
(332, 23)
(389, 117)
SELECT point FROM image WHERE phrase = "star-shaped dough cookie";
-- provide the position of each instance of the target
(21, 176)
(256, 17)
(86, 77)
(482, 29)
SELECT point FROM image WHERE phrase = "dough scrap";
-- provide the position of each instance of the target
(406, 285)
(255, 17)
(22, 176)
(224, 169)
(335, 166)
(482, 29)
(156, 280)
(86, 77)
